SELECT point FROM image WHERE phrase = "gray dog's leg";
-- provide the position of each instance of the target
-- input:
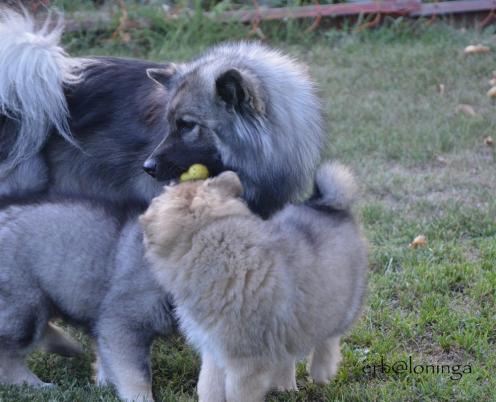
(125, 360)
(324, 360)
(211, 383)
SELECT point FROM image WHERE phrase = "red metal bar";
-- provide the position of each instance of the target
(413, 8)
(454, 7)
(384, 7)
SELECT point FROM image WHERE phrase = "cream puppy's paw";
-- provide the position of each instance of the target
(211, 383)
(322, 374)
(284, 378)
(324, 360)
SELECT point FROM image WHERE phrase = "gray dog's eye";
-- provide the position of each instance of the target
(184, 126)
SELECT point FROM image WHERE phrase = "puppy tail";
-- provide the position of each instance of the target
(57, 341)
(335, 187)
(33, 72)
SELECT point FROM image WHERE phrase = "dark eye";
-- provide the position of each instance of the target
(185, 125)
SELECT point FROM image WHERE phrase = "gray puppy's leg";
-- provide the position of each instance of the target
(125, 359)
(211, 383)
(13, 370)
(22, 325)
(284, 377)
(324, 360)
(100, 375)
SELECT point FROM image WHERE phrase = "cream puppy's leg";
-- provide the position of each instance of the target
(324, 360)
(249, 383)
(211, 383)
(284, 377)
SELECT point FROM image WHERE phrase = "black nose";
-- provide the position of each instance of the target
(150, 167)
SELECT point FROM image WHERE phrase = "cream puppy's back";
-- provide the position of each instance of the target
(271, 287)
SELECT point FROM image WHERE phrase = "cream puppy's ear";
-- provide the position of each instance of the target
(228, 183)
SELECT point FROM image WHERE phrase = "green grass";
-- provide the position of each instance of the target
(423, 168)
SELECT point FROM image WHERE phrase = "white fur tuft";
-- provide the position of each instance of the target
(336, 185)
(33, 71)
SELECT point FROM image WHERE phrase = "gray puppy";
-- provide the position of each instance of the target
(83, 262)
(252, 295)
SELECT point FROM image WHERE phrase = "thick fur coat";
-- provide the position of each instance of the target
(258, 110)
(82, 261)
(78, 126)
(114, 128)
(252, 295)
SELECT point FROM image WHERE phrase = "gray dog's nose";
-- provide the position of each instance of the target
(150, 167)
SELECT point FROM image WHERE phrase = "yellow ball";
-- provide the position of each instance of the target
(195, 172)
(185, 177)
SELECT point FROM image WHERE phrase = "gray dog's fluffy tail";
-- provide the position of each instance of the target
(335, 187)
(33, 72)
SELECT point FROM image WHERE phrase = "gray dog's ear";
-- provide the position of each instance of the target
(229, 183)
(163, 75)
(239, 88)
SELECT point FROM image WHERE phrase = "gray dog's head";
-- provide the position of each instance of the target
(250, 109)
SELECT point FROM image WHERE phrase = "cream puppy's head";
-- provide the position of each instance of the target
(181, 210)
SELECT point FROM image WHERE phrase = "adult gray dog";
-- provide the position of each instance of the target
(89, 126)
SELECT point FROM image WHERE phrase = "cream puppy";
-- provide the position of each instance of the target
(255, 295)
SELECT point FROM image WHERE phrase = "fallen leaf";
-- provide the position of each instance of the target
(466, 110)
(488, 140)
(492, 92)
(475, 49)
(441, 160)
(419, 241)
